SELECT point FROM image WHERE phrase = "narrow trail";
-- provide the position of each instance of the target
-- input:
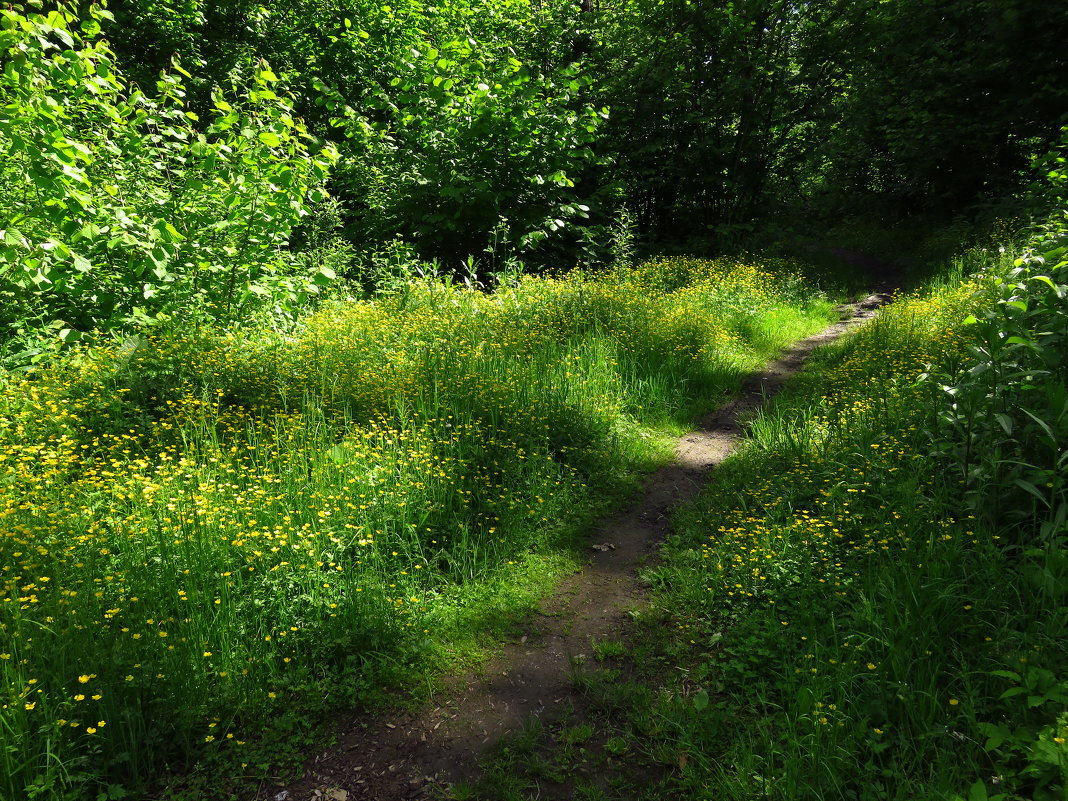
(416, 756)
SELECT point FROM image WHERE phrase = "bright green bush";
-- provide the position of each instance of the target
(121, 207)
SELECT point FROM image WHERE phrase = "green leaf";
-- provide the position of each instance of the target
(323, 276)
(1005, 421)
(1012, 692)
(1047, 752)
(1033, 490)
(340, 454)
(270, 138)
(700, 700)
(63, 36)
(89, 231)
(996, 735)
(1046, 427)
(57, 247)
(159, 259)
(1007, 674)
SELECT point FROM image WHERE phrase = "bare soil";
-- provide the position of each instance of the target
(412, 756)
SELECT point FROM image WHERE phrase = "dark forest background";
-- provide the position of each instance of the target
(354, 139)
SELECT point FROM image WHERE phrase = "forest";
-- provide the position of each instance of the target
(330, 329)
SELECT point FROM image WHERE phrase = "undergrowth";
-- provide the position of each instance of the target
(211, 538)
(870, 601)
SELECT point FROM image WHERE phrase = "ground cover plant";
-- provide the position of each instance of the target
(229, 503)
(210, 534)
(869, 602)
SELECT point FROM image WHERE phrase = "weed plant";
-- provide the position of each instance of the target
(212, 537)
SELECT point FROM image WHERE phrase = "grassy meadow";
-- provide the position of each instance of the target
(211, 538)
(870, 601)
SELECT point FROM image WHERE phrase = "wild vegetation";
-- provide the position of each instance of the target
(869, 602)
(324, 337)
(204, 531)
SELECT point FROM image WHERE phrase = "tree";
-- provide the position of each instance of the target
(947, 101)
(462, 126)
(126, 207)
(716, 104)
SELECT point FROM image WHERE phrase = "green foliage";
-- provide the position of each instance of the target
(1006, 408)
(489, 138)
(213, 538)
(870, 600)
(716, 109)
(460, 146)
(458, 122)
(946, 104)
(148, 34)
(126, 208)
(725, 113)
(719, 114)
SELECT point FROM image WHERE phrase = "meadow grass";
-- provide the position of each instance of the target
(211, 538)
(870, 601)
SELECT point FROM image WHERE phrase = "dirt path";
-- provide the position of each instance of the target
(415, 756)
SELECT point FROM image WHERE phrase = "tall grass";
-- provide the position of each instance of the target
(874, 594)
(209, 535)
